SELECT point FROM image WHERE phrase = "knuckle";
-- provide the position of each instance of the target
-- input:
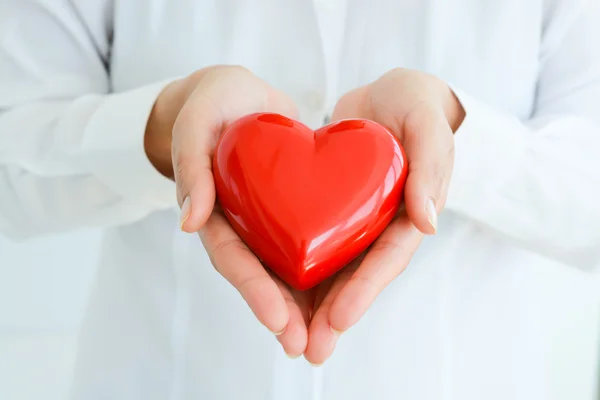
(232, 69)
(395, 73)
(227, 245)
(253, 281)
(223, 248)
(182, 165)
(364, 281)
(207, 76)
(384, 246)
(431, 176)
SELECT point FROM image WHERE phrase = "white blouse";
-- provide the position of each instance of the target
(78, 79)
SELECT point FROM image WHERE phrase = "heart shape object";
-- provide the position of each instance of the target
(308, 202)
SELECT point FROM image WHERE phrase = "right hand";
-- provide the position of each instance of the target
(185, 124)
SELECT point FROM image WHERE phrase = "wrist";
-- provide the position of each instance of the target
(159, 128)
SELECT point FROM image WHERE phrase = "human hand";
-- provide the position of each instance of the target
(423, 113)
(185, 124)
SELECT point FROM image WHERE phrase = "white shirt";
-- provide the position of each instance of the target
(331, 15)
(462, 322)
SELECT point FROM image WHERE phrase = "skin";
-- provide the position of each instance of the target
(185, 123)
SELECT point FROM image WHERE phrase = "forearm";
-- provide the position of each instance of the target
(80, 162)
(535, 182)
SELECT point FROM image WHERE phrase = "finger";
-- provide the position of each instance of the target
(295, 336)
(321, 291)
(385, 260)
(352, 105)
(232, 259)
(192, 147)
(322, 339)
(429, 145)
(221, 96)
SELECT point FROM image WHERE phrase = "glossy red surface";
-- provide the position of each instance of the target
(307, 203)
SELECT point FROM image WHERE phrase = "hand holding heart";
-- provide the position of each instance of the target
(184, 126)
(423, 113)
(420, 110)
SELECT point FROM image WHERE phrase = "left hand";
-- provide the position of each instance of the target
(423, 113)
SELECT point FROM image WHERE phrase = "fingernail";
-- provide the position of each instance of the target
(432, 215)
(315, 365)
(336, 332)
(291, 356)
(280, 332)
(186, 209)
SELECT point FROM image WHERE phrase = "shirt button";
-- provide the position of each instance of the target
(314, 100)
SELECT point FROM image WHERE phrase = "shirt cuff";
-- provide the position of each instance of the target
(114, 150)
(489, 148)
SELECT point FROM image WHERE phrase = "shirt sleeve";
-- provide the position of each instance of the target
(71, 153)
(537, 182)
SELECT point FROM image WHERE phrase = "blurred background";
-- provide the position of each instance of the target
(45, 282)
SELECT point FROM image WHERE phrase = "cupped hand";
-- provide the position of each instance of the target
(423, 113)
(185, 124)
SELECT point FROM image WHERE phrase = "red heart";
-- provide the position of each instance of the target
(307, 203)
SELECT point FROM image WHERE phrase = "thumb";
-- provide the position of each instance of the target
(429, 146)
(223, 94)
(195, 192)
(192, 165)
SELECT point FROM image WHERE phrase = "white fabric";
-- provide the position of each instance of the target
(331, 16)
(462, 322)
